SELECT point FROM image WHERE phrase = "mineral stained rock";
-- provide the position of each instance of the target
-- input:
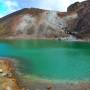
(9, 79)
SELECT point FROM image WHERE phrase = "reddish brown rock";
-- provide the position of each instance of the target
(9, 77)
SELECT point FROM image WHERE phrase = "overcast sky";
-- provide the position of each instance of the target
(9, 6)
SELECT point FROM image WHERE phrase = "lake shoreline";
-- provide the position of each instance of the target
(30, 84)
(35, 85)
(43, 38)
(43, 84)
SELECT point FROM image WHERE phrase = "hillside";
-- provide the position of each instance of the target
(37, 23)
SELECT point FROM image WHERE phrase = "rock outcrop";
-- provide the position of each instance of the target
(9, 79)
(82, 24)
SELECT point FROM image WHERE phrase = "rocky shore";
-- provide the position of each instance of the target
(10, 80)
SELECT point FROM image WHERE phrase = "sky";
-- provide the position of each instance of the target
(9, 6)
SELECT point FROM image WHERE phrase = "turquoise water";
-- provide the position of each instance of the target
(50, 59)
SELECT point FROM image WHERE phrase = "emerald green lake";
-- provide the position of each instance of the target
(49, 59)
